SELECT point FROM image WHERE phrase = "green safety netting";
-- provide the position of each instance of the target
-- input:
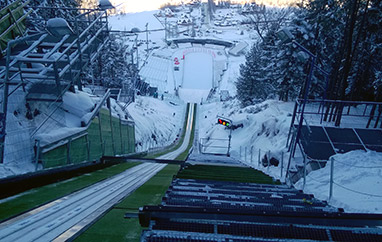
(12, 22)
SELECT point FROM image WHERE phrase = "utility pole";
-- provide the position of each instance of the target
(133, 69)
(165, 29)
(229, 141)
(136, 47)
(147, 39)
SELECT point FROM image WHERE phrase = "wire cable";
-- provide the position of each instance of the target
(362, 193)
(348, 189)
(366, 167)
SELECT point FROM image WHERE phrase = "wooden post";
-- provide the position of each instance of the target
(120, 134)
(68, 159)
(100, 134)
(111, 125)
(37, 154)
(251, 154)
(331, 178)
(258, 160)
(87, 147)
(282, 164)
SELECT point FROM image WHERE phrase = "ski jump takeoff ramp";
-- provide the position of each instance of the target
(197, 77)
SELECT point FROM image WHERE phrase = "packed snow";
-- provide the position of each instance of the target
(157, 123)
(197, 71)
(357, 177)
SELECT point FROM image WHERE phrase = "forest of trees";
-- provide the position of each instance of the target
(346, 37)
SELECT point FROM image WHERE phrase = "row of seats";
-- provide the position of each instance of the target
(201, 210)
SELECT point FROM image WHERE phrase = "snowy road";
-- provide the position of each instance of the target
(61, 219)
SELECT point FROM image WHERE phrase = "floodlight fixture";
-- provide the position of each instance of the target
(58, 27)
(105, 4)
(302, 56)
(135, 30)
(285, 35)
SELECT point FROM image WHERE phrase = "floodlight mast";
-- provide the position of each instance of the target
(286, 37)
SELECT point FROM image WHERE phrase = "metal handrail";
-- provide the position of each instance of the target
(338, 101)
(97, 108)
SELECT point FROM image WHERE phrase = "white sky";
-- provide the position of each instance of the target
(133, 6)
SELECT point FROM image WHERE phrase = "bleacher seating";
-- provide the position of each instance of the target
(155, 72)
(200, 210)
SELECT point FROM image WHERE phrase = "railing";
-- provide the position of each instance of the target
(270, 162)
(341, 113)
(335, 113)
(331, 113)
(213, 146)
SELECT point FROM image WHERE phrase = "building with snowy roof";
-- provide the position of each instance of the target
(238, 49)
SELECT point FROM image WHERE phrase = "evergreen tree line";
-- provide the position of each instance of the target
(346, 37)
(112, 68)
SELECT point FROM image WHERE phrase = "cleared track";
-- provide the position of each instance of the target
(61, 219)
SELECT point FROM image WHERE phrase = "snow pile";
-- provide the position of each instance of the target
(265, 125)
(57, 134)
(157, 123)
(77, 105)
(74, 107)
(357, 179)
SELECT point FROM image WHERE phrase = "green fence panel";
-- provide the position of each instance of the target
(124, 142)
(106, 132)
(55, 157)
(78, 150)
(94, 138)
(7, 32)
(131, 138)
(124, 139)
(117, 136)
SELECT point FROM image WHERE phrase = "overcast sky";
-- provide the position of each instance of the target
(147, 5)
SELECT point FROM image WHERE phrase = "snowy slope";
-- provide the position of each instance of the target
(357, 179)
(157, 123)
(357, 174)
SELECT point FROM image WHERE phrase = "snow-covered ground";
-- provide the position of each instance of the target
(357, 186)
(157, 123)
(198, 78)
(357, 174)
